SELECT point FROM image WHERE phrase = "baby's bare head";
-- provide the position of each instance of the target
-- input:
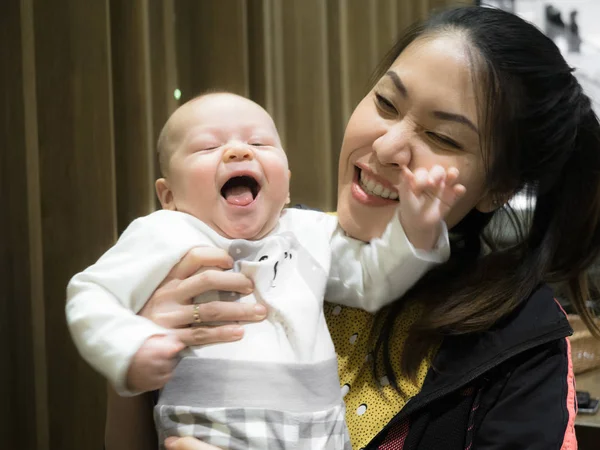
(223, 163)
(186, 117)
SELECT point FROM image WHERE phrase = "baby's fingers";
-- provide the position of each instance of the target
(422, 181)
(459, 190)
(451, 194)
(437, 175)
(451, 176)
(430, 182)
(408, 178)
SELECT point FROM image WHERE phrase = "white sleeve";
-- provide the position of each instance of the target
(370, 276)
(102, 301)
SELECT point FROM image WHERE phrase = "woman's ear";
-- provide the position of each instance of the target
(487, 204)
(165, 194)
(492, 201)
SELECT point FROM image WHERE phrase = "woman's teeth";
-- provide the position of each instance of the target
(372, 187)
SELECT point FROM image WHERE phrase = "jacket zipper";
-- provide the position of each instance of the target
(412, 406)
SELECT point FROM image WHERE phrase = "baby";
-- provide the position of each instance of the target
(225, 185)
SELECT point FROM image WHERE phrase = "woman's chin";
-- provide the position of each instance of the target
(362, 223)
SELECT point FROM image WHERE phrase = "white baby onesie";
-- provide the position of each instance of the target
(273, 369)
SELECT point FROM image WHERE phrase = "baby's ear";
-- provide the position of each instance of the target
(165, 194)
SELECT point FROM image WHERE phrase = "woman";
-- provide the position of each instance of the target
(475, 355)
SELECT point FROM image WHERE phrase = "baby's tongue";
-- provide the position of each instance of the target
(239, 195)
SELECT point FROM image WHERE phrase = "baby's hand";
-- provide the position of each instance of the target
(152, 365)
(426, 197)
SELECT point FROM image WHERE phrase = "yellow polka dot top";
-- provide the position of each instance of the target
(370, 403)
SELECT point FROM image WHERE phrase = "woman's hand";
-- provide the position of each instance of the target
(187, 443)
(129, 420)
(199, 271)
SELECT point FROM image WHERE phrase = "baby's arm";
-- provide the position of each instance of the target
(369, 276)
(426, 198)
(102, 301)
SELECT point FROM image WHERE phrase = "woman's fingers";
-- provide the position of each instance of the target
(199, 271)
(209, 335)
(213, 280)
(187, 443)
(218, 311)
(198, 258)
(184, 315)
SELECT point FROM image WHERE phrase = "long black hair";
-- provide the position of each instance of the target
(539, 134)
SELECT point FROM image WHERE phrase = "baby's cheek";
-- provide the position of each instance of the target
(278, 176)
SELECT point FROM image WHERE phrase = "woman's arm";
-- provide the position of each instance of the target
(129, 422)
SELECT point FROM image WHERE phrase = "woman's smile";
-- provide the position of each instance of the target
(372, 190)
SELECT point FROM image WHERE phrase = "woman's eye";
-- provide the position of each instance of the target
(444, 140)
(385, 104)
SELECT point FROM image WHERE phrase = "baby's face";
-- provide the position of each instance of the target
(227, 167)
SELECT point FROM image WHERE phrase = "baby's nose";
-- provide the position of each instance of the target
(237, 153)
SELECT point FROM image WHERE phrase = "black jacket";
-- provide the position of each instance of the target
(511, 387)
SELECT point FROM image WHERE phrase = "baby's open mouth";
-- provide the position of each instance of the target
(240, 191)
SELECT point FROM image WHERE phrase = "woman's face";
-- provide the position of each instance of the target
(421, 113)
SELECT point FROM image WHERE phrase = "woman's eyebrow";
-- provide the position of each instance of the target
(443, 115)
(398, 83)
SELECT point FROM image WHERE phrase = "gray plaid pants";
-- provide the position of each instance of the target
(245, 429)
(240, 405)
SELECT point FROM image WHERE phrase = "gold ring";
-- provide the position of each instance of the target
(197, 314)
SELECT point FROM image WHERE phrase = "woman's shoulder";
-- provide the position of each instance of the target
(534, 380)
(539, 312)
(519, 372)
(537, 321)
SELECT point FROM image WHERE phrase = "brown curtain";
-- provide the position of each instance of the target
(86, 87)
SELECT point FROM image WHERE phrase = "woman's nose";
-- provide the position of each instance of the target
(237, 154)
(393, 148)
